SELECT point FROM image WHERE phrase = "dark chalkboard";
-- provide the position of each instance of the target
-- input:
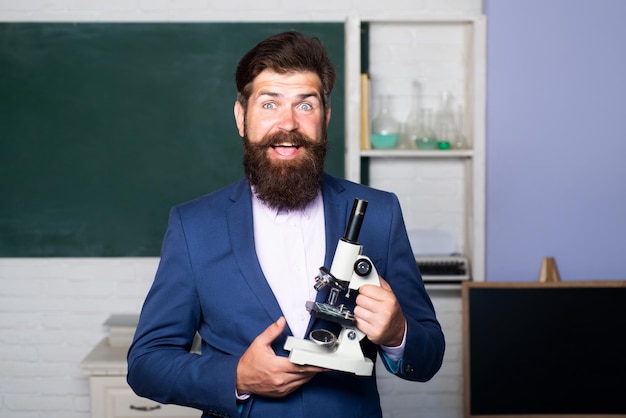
(545, 349)
(105, 126)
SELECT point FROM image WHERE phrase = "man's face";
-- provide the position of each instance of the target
(284, 131)
(283, 103)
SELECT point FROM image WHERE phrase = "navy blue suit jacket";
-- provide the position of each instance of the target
(210, 281)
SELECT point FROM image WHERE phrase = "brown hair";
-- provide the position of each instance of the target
(283, 53)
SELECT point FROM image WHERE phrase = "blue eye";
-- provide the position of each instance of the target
(269, 105)
(306, 106)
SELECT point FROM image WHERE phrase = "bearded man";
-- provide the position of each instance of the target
(237, 265)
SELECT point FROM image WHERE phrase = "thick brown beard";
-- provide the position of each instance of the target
(285, 184)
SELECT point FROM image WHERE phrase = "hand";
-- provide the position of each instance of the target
(260, 371)
(378, 314)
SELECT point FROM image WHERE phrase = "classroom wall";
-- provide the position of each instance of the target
(554, 145)
(52, 310)
(555, 138)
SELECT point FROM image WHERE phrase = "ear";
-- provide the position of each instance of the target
(327, 116)
(239, 117)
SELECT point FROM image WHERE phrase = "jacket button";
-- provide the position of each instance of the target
(408, 369)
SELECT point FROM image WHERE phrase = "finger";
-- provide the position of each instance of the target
(364, 303)
(383, 283)
(374, 293)
(305, 369)
(272, 332)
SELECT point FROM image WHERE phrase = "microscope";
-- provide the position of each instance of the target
(348, 272)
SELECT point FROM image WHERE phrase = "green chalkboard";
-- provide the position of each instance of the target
(105, 126)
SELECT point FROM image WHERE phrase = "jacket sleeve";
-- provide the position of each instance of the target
(425, 343)
(160, 365)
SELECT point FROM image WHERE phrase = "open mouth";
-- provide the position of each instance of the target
(286, 150)
(286, 145)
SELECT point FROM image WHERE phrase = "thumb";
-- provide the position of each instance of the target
(384, 284)
(273, 331)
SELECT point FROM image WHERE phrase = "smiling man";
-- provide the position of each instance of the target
(284, 132)
(238, 265)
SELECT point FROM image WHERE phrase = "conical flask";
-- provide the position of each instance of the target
(445, 123)
(426, 138)
(460, 140)
(413, 121)
(385, 128)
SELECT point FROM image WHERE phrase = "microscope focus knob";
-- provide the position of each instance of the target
(362, 267)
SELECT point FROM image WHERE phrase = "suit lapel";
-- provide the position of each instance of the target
(241, 234)
(335, 217)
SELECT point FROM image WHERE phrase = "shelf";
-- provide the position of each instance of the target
(446, 287)
(422, 18)
(105, 360)
(444, 53)
(413, 153)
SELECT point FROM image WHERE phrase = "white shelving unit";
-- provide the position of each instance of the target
(442, 53)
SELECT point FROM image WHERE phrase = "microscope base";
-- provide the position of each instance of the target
(346, 357)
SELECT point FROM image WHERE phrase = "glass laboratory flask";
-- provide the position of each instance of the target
(460, 141)
(445, 123)
(385, 128)
(413, 120)
(426, 138)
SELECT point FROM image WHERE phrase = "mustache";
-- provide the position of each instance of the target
(294, 138)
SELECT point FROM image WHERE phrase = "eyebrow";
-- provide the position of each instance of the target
(301, 96)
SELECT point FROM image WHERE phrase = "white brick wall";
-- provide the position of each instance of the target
(431, 194)
(217, 10)
(52, 310)
(433, 55)
(51, 315)
(441, 397)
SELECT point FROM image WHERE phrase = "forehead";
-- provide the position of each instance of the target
(270, 82)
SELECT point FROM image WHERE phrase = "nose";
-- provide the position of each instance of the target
(288, 121)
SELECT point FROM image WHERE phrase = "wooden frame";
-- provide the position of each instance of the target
(468, 293)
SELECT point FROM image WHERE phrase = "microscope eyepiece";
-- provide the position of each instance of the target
(356, 220)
